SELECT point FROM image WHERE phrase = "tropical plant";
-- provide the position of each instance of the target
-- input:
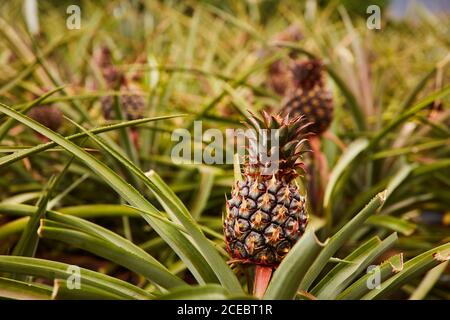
(100, 195)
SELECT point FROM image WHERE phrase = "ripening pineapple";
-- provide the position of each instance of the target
(308, 95)
(266, 214)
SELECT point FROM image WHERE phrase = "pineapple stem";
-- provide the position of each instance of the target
(262, 279)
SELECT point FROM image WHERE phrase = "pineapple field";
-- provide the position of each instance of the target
(224, 150)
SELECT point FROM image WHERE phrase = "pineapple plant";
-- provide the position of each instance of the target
(266, 214)
(136, 234)
(132, 104)
(309, 96)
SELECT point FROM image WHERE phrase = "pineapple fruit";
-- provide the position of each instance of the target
(132, 104)
(309, 96)
(47, 115)
(266, 214)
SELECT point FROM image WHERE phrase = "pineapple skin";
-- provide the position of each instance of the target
(315, 104)
(264, 218)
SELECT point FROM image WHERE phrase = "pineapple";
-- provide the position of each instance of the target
(47, 115)
(266, 214)
(309, 96)
(132, 104)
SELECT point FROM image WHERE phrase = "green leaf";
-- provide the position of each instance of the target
(18, 155)
(52, 270)
(29, 239)
(411, 269)
(144, 266)
(205, 292)
(360, 287)
(399, 179)
(173, 237)
(337, 240)
(13, 227)
(342, 275)
(428, 281)
(286, 279)
(178, 212)
(205, 187)
(8, 124)
(344, 163)
(408, 114)
(18, 290)
(118, 241)
(63, 291)
(393, 223)
(355, 108)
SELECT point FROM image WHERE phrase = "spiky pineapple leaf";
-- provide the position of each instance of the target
(408, 113)
(115, 240)
(178, 211)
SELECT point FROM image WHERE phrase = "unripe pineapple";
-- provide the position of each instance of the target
(266, 214)
(47, 115)
(308, 95)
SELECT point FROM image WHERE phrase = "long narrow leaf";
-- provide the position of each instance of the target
(286, 279)
(337, 240)
(179, 243)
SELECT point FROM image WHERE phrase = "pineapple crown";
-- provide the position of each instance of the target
(288, 144)
(308, 73)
